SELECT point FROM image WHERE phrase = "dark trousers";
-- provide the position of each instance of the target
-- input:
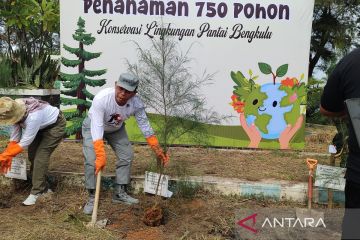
(119, 142)
(40, 150)
(351, 221)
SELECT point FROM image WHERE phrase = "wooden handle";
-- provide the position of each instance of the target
(97, 195)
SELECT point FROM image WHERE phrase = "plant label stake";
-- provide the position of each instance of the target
(303, 213)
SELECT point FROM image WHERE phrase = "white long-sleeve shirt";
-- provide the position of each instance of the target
(107, 116)
(24, 133)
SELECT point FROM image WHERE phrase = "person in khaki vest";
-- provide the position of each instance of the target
(36, 126)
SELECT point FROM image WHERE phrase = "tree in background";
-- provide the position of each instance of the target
(334, 31)
(30, 25)
(76, 83)
(29, 33)
(314, 90)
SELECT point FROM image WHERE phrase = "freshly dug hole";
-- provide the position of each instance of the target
(153, 216)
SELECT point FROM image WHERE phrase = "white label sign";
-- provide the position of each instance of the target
(151, 182)
(330, 177)
(18, 169)
(332, 149)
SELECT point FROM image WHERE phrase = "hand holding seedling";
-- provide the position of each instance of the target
(159, 152)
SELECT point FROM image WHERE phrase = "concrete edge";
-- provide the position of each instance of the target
(265, 189)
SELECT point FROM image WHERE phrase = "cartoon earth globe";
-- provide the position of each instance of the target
(264, 108)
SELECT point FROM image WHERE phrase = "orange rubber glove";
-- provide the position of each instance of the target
(155, 146)
(4, 164)
(3, 167)
(100, 161)
(6, 157)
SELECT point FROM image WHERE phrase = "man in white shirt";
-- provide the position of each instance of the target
(36, 126)
(106, 119)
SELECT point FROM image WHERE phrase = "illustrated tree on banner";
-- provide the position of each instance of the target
(76, 83)
(269, 112)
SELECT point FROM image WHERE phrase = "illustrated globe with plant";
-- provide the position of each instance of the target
(271, 106)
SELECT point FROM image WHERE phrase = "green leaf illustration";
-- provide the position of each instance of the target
(234, 78)
(265, 68)
(241, 93)
(251, 82)
(282, 70)
(239, 78)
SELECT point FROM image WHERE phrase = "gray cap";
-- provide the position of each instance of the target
(128, 81)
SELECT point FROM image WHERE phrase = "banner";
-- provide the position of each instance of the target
(258, 53)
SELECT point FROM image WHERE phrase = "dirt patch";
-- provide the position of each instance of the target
(145, 234)
(206, 216)
(194, 205)
(230, 163)
(318, 137)
(6, 195)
